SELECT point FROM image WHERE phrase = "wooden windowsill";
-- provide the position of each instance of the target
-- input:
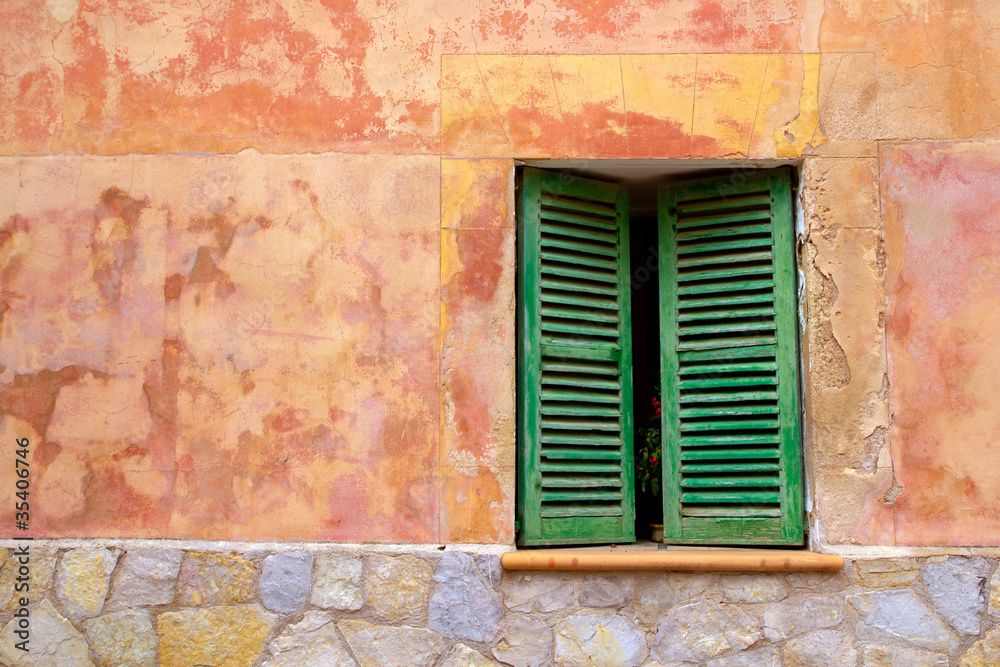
(704, 559)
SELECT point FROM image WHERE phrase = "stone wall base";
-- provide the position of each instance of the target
(241, 605)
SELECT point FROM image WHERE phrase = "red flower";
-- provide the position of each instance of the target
(659, 411)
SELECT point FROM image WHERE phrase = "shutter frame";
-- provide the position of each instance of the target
(537, 348)
(680, 526)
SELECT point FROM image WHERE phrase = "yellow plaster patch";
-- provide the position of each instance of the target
(791, 139)
(470, 123)
(726, 102)
(659, 94)
(583, 80)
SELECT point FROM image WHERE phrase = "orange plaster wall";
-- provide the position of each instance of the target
(942, 205)
(257, 258)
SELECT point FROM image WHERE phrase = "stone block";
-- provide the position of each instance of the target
(229, 636)
(385, 646)
(819, 582)
(885, 655)
(768, 656)
(54, 642)
(83, 579)
(792, 618)
(208, 578)
(605, 591)
(491, 569)
(526, 642)
(984, 653)
(822, 648)
(145, 577)
(463, 656)
(538, 592)
(656, 593)
(43, 569)
(702, 630)
(285, 581)
(337, 579)
(462, 607)
(900, 615)
(123, 639)
(599, 639)
(313, 641)
(750, 588)
(956, 588)
(397, 587)
(886, 572)
(994, 593)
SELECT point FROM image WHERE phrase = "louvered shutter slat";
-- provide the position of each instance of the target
(575, 481)
(729, 362)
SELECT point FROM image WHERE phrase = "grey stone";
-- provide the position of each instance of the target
(285, 581)
(83, 579)
(884, 655)
(125, 638)
(761, 657)
(337, 579)
(893, 615)
(541, 591)
(462, 607)
(956, 589)
(599, 639)
(753, 588)
(388, 646)
(702, 630)
(489, 566)
(397, 587)
(311, 641)
(145, 577)
(54, 642)
(793, 618)
(656, 593)
(463, 656)
(605, 591)
(823, 648)
(525, 643)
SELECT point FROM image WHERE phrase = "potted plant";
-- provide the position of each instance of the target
(649, 466)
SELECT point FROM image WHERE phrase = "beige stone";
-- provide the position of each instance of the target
(83, 579)
(463, 656)
(984, 653)
(123, 639)
(994, 593)
(313, 641)
(886, 572)
(54, 642)
(230, 636)
(383, 646)
(336, 582)
(397, 587)
(208, 578)
(43, 568)
(884, 655)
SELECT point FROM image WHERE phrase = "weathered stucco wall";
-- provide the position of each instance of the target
(257, 258)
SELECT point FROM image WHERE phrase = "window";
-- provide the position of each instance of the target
(728, 352)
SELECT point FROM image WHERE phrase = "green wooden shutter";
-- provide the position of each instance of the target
(729, 362)
(575, 476)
